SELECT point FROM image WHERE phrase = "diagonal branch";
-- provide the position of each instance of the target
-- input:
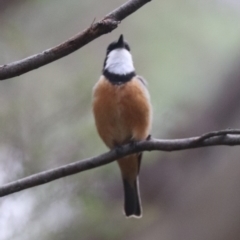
(106, 25)
(224, 137)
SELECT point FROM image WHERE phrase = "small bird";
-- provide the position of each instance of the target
(123, 114)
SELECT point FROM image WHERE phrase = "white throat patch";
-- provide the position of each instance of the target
(119, 61)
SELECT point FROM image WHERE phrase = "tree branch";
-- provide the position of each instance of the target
(106, 25)
(223, 137)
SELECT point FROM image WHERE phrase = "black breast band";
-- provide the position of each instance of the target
(117, 78)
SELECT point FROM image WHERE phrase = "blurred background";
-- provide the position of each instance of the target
(188, 50)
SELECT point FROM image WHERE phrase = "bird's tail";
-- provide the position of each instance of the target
(132, 203)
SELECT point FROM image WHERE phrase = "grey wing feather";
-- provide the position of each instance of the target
(143, 81)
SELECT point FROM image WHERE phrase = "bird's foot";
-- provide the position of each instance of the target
(119, 149)
(149, 137)
(133, 142)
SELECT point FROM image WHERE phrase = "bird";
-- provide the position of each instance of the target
(123, 114)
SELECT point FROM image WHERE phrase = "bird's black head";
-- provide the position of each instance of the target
(118, 64)
(120, 43)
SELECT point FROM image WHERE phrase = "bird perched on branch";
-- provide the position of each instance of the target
(122, 112)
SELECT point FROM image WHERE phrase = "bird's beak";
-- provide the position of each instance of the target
(120, 42)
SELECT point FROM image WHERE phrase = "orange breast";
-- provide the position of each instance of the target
(122, 112)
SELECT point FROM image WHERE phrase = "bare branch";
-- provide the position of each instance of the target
(126, 9)
(106, 25)
(218, 133)
(224, 137)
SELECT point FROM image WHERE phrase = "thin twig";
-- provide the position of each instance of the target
(218, 133)
(223, 137)
(106, 25)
